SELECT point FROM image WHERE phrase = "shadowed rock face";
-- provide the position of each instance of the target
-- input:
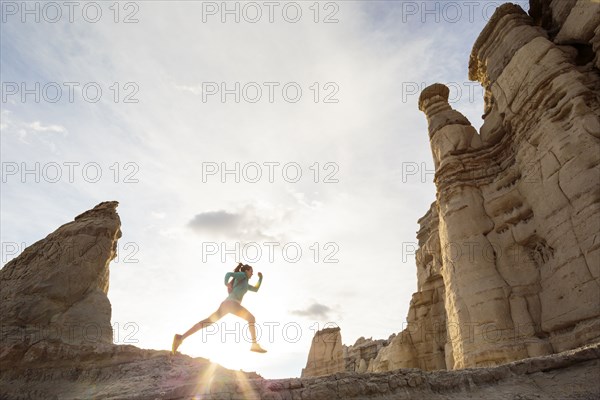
(57, 287)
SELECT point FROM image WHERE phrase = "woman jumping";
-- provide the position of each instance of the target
(232, 304)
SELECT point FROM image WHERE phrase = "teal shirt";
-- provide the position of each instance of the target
(240, 285)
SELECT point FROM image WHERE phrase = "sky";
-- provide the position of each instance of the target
(282, 134)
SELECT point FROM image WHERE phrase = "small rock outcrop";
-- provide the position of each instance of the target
(360, 356)
(326, 353)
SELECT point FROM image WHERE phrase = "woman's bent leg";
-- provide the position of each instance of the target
(242, 312)
(214, 317)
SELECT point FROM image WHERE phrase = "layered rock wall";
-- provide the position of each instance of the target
(509, 259)
(519, 202)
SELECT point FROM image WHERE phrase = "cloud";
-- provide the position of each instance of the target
(37, 126)
(303, 199)
(158, 215)
(216, 221)
(12, 124)
(315, 310)
(247, 224)
(195, 90)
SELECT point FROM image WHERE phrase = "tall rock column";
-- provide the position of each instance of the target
(478, 311)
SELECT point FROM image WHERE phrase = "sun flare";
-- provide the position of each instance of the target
(226, 343)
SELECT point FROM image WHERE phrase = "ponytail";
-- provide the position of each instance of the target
(242, 267)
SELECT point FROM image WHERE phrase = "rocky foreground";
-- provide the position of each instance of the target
(54, 371)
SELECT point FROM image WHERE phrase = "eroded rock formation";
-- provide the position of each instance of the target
(57, 287)
(326, 353)
(522, 275)
(360, 356)
(509, 259)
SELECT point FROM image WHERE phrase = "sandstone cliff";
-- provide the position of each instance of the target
(508, 264)
(519, 203)
(57, 287)
(326, 354)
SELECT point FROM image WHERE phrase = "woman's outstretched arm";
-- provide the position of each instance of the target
(255, 288)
